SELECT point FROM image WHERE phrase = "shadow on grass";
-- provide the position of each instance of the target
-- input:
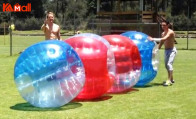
(102, 98)
(128, 91)
(150, 85)
(29, 107)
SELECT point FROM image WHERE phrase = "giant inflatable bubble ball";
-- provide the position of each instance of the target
(149, 54)
(110, 54)
(49, 74)
(93, 53)
(127, 60)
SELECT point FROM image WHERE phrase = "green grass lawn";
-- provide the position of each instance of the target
(150, 102)
(19, 43)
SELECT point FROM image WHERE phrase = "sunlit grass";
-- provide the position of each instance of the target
(150, 102)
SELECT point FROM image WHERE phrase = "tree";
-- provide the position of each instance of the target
(91, 7)
(186, 7)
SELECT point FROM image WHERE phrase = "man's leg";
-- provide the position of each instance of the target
(169, 59)
(170, 76)
(170, 64)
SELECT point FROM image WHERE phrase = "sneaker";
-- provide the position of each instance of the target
(172, 81)
(167, 83)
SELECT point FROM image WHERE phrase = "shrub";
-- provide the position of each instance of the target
(31, 23)
(2, 28)
(182, 22)
(28, 24)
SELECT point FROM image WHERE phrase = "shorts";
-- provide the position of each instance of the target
(169, 58)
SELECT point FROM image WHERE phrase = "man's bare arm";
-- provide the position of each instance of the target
(160, 44)
(168, 35)
(43, 27)
(58, 34)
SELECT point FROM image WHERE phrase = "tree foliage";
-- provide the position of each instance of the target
(70, 13)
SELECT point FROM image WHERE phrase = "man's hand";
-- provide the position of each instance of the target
(154, 39)
(150, 38)
(45, 21)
